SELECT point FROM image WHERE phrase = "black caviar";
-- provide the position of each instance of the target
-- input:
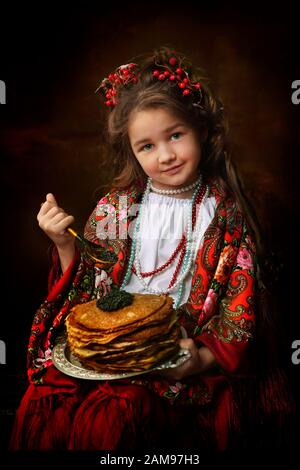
(115, 300)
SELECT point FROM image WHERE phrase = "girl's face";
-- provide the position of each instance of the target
(167, 148)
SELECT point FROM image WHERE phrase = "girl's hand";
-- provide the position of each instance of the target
(194, 365)
(54, 221)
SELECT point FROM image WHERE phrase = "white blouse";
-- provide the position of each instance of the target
(163, 222)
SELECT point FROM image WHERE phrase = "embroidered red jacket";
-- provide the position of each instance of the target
(220, 312)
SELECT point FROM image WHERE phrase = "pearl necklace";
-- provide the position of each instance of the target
(174, 191)
(188, 256)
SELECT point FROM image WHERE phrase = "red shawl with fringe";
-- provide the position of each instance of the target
(221, 311)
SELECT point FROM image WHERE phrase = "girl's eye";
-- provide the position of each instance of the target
(147, 147)
(176, 136)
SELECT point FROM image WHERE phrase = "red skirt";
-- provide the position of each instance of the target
(67, 413)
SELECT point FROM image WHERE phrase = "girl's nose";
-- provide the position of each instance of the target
(166, 155)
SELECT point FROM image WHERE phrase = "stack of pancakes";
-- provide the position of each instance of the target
(131, 339)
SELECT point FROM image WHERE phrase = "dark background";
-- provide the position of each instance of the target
(50, 135)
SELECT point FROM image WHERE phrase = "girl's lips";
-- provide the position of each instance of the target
(173, 169)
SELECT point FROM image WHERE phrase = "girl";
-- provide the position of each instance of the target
(179, 224)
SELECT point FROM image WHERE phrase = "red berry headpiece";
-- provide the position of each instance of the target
(172, 70)
(176, 72)
(122, 76)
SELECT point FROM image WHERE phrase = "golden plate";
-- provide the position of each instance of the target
(66, 362)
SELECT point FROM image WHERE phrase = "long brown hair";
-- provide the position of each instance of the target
(149, 93)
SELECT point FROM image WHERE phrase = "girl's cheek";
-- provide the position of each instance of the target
(150, 165)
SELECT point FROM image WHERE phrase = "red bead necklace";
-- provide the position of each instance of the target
(181, 246)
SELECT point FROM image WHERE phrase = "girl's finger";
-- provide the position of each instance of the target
(58, 218)
(53, 211)
(45, 207)
(51, 199)
(63, 224)
(47, 219)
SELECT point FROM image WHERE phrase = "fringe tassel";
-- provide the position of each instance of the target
(44, 424)
(251, 413)
(108, 417)
(127, 418)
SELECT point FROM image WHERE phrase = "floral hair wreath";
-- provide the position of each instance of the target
(174, 71)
